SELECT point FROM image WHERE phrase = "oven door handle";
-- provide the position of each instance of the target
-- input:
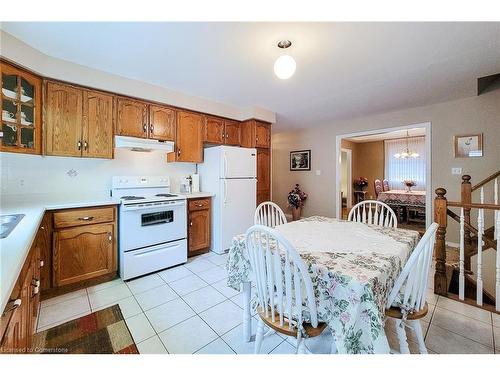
(158, 222)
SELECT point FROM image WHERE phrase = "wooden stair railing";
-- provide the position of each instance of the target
(473, 241)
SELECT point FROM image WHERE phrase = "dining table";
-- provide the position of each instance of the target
(353, 267)
(402, 197)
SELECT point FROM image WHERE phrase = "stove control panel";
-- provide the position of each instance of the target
(121, 182)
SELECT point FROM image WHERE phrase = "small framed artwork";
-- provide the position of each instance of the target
(300, 160)
(468, 145)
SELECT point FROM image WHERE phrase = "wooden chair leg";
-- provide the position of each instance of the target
(259, 337)
(403, 342)
(417, 327)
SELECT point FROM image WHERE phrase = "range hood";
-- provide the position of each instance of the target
(143, 145)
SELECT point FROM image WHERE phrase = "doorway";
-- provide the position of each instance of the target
(374, 156)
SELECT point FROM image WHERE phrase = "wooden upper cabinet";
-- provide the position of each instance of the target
(232, 132)
(255, 133)
(97, 132)
(188, 138)
(131, 118)
(63, 120)
(21, 108)
(161, 123)
(262, 134)
(214, 130)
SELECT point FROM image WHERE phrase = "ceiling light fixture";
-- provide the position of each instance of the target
(285, 65)
(407, 153)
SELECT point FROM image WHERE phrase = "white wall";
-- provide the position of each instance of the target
(21, 174)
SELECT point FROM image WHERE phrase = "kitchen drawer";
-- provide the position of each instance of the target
(77, 217)
(199, 204)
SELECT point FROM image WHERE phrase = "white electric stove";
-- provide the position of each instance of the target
(152, 225)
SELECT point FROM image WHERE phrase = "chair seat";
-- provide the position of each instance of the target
(310, 330)
(395, 312)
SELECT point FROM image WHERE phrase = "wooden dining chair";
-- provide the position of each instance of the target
(385, 185)
(378, 187)
(373, 212)
(406, 302)
(283, 287)
(269, 214)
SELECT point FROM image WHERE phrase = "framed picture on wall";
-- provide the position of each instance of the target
(468, 145)
(300, 160)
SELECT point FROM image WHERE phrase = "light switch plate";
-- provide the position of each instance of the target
(456, 170)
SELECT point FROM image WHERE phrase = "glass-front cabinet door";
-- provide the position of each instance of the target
(21, 110)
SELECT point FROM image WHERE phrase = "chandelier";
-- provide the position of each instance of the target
(407, 153)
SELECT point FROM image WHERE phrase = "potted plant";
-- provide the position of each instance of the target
(296, 199)
(409, 184)
(360, 183)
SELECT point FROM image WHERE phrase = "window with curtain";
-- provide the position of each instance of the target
(398, 170)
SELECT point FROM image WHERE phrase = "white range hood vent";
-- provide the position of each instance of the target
(143, 145)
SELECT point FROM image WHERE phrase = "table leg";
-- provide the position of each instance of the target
(247, 317)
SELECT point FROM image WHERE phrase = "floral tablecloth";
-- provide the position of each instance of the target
(351, 283)
(403, 197)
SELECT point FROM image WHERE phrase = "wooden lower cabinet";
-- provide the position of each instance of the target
(18, 321)
(199, 226)
(87, 251)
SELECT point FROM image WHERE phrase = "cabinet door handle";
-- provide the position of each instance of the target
(86, 218)
(178, 152)
(42, 263)
(110, 237)
(15, 304)
(79, 145)
(151, 128)
(85, 145)
(190, 223)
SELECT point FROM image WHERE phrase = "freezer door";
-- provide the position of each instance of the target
(238, 162)
(238, 197)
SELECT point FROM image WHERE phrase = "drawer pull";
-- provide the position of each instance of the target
(199, 205)
(86, 218)
(42, 263)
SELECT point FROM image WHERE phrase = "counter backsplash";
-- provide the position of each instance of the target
(24, 174)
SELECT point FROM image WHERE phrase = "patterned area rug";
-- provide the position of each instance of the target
(102, 332)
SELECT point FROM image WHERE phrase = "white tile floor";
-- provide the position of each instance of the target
(189, 309)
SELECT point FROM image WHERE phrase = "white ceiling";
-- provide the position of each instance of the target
(414, 132)
(343, 69)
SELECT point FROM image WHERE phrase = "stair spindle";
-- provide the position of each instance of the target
(480, 232)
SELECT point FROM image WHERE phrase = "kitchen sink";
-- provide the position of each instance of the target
(8, 223)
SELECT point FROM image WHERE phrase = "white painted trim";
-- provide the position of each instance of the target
(428, 167)
(349, 175)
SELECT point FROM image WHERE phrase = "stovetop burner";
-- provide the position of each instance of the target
(131, 197)
(165, 195)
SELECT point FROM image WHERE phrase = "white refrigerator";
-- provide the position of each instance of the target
(230, 174)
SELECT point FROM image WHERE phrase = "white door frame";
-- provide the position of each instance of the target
(428, 166)
(349, 175)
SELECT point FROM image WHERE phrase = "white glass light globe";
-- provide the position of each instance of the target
(284, 67)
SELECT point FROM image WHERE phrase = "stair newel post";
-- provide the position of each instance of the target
(466, 199)
(440, 217)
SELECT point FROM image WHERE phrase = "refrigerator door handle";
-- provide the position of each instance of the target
(225, 192)
(225, 165)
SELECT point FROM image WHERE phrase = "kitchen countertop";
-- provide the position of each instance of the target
(15, 248)
(195, 195)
